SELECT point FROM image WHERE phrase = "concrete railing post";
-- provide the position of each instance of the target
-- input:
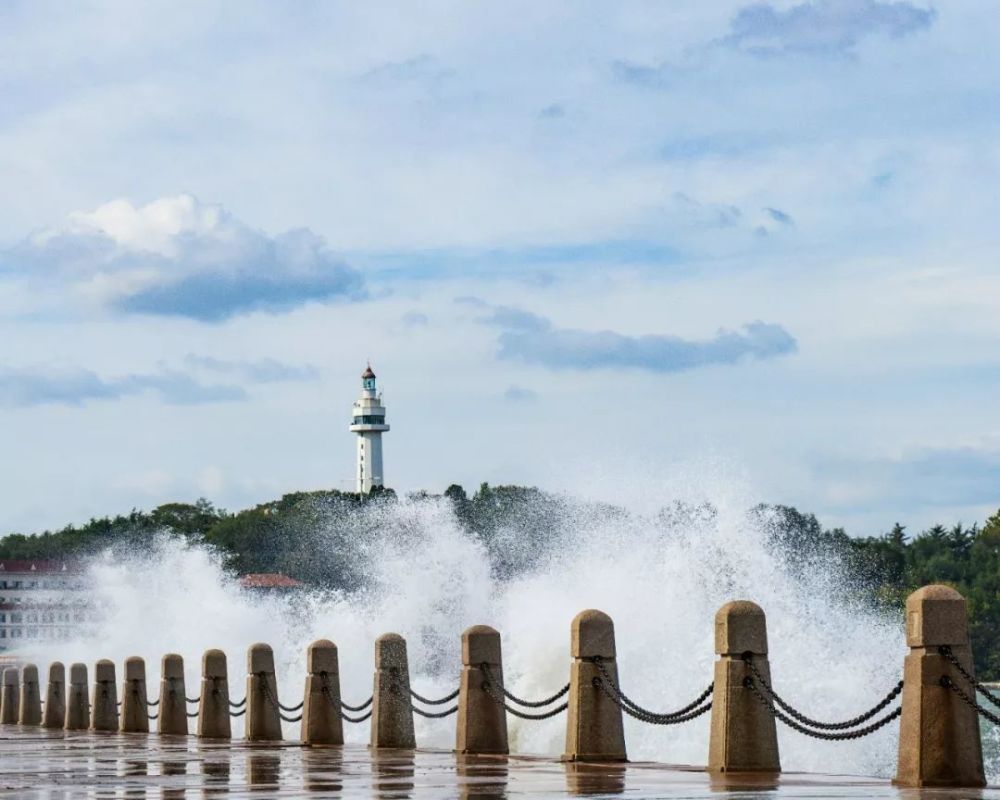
(263, 715)
(939, 740)
(213, 708)
(594, 730)
(30, 707)
(77, 705)
(321, 722)
(54, 713)
(10, 699)
(104, 702)
(392, 714)
(172, 708)
(482, 722)
(743, 734)
(135, 714)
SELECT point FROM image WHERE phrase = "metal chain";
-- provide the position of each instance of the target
(431, 714)
(526, 703)
(952, 659)
(275, 704)
(498, 698)
(237, 713)
(152, 702)
(440, 702)
(748, 683)
(362, 707)
(623, 700)
(826, 726)
(325, 690)
(292, 709)
(191, 715)
(242, 702)
(153, 716)
(948, 683)
(639, 714)
(193, 699)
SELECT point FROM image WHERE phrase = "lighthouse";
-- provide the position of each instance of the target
(368, 422)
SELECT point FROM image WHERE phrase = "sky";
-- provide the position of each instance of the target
(657, 249)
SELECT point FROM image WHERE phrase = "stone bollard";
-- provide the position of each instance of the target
(104, 701)
(54, 715)
(30, 706)
(482, 722)
(10, 698)
(263, 715)
(172, 710)
(743, 736)
(594, 730)
(213, 708)
(135, 709)
(392, 714)
(321, 722)
(939, 740)
(77, 705)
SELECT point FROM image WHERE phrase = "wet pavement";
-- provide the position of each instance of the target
(35, 763)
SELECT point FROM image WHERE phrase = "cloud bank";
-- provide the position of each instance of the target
(24, 387)
(180, 257)
(533, 339)
(823, 26)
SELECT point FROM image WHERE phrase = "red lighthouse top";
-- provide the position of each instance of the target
(368, 372)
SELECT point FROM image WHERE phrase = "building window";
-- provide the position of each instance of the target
(16, 617)
(3, 633)
(16, 633)
(3, 617)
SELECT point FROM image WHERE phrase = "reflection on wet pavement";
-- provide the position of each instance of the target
(35, 763)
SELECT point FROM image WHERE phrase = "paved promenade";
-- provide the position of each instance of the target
(42, 764)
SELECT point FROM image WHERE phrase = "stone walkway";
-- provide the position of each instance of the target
(35, 763)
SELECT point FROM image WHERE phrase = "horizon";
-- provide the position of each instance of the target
(745, 251)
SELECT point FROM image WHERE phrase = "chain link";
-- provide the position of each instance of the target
(440, 702)
(193, 699)
(485, 668)
(237, 713)
(610, 690)
(812, 723)
(325, 690)
(433, 715)
(748, 683)
(498, 698)
(654, 717)
(952, 659)
(948, 683)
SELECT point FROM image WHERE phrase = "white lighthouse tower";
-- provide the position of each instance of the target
(368, 422)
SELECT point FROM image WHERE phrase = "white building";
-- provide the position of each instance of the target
(368, 422)
(40, 600)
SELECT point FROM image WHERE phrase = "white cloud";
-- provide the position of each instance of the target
(179, 257)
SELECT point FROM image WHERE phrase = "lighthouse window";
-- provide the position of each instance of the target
(369, 419)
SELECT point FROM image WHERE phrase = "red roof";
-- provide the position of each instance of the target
(14, 565)
(368, 372)
(268, 580)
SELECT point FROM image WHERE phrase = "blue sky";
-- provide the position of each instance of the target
(682, 248)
